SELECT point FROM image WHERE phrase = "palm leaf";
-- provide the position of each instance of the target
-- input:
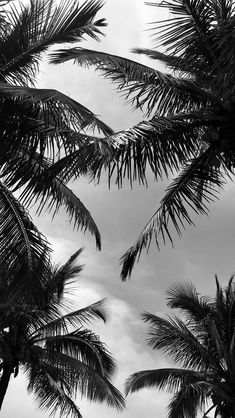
(41, 187)
(23, 249)
(62, 276)
(46, 112)
(40, 25)
(175, 338)
(85, 346)
(86, 379)
(164, 379)
(145, 87)
(188, 400)
(75, 318)
(185, 297)
(195, 187)
(49, 390)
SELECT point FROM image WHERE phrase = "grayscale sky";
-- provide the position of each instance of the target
(120, 215)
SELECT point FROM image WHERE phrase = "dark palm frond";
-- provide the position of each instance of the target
(197, 32)
(197, 185)
(85, 346)
(188, 401)
(88, 381)
(189, 29)
(145, 87)
(77, 318)
(164, 379)
(186, 297)
(24, 250)
(161, 144)
(48, 386)
(45, 112)
(41, 24)
(47, 191)
(171, 61)
(62, 276)
(175, 338)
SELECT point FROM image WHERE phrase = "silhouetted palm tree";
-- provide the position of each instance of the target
(191, 110)
(40, 128)
(58, 355)
(202, 343)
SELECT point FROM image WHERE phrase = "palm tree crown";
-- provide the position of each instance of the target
(191, 108)
(55, 351)
(202, 342)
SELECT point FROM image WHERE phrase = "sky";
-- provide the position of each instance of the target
(120, 215)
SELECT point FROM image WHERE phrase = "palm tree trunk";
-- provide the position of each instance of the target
(5, 378)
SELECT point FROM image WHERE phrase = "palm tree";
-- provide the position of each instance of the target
(40, 128)
(202, 341)
(53, 348)
(190, 110)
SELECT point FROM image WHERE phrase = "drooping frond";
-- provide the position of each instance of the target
(188, 400)
(41, 24)
(88, 381)
(47, 114)
(75, 319)
(39, 186)
(163, 379)
(186, 297)
(23, 249)
(197, 33)
(197, 185)
(161, 144)
(85, 346)
(49, 389)
(175, 338)
(145, 87)
(62, 276)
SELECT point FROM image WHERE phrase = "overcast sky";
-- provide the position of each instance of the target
(120, 215)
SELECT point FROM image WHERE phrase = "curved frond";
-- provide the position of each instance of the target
(91, 384)
(175, 338)
(163, 379)
(50, 389)
(75, 318)
(197, 185)
(145, 87)
(47, 112)
(41, 187)
(186, 297)
(62, 276)
(41, 24)
(85, 346)
(23, 249)
(189, 400)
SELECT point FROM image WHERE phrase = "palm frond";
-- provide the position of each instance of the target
(197, 185)
(85, 346)
(175, 338)
(23, 249)
(161, 144)
(188, 400)
(185, 297)
(50, 390)
(46, 111)
(171, 61)
(62, 276)
(34, 176)
(145, 87)
(88, 381)
(41, 24)
(188, 30)
(163, 379)
(75, 318)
